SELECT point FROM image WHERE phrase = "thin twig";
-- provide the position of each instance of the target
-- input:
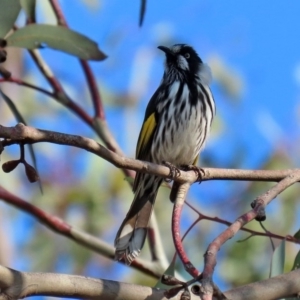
(61, 227)
(251, 231)
(215, 245)
(60, 94)
(27, 84)
(90, 78)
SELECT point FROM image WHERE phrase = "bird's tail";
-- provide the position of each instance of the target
(133, 231)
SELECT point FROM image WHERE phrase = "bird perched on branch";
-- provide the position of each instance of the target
(176, 125)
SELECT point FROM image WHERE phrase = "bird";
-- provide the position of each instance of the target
(176, 125)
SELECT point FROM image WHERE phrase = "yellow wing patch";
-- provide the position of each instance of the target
(145, 134)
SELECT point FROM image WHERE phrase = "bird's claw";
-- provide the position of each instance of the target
(199, 171)
(174, 171)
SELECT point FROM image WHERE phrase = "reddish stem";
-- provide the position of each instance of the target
(94, 91)
(58, 13)
(27, 84)
(90, 78)
(53, 222)
(69, 103)
(176, 216)
(288, 238)
(261, 201)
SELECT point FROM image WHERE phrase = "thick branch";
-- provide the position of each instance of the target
(30, 135)
(278, 287)
(16, 285)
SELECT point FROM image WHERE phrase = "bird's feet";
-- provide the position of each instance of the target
(174, 171)
(199, 171)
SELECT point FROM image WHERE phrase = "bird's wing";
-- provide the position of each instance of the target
(146, 136)
(143, 148)
(149, 127)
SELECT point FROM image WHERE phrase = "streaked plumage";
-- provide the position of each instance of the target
(176, 125)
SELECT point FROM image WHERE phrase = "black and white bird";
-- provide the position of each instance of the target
(176, 125)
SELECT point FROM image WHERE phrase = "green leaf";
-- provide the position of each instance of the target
(8, 14)
(57, 37)
(297, 234)
(169, 271)
(296, 262)
(20, 119)
(29, 8)
(277, 264)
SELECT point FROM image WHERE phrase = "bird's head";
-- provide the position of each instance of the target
(182, 57)
(183, 60)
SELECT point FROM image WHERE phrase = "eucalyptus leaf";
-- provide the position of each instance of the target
(9, 11)
(296, 262)
(169, 271)
(277, 264)
(56, 37)
(297, 234)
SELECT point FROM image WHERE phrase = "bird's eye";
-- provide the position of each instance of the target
(187, 55)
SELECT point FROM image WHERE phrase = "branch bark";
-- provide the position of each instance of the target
(30, 135)
(16, 285)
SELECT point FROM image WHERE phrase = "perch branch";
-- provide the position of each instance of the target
(16, 285)
(30, 135)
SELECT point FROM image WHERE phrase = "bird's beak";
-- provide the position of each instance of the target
(167, 50)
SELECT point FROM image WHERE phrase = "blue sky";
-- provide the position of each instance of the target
(254, 39)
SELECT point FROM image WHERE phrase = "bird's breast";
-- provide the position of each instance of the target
(182, 128)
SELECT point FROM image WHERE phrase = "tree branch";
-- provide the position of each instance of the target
(90, 78)
(59, 93)
(252, 232)
(261, 201)
(30, 135)
(16, 285)
(176, 216)
(61, 227)
(27, 84)
(281, 286)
